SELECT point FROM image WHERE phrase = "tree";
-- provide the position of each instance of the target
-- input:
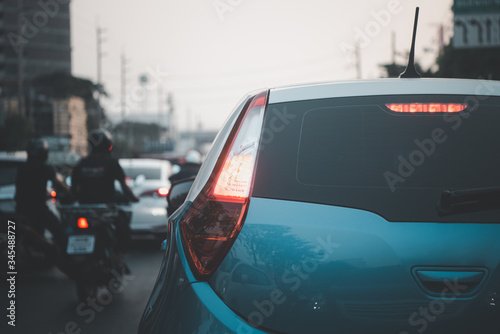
(61, 85)
(457, 63)
(393, 70)
(469, 63)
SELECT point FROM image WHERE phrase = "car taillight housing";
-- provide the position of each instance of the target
(212, 222)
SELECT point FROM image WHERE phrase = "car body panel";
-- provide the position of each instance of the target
(180, 304)
(342, 270)
(383, 87)
(300, 267)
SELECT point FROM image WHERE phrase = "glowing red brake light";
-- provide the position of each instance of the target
(53, 193)
(163, 191)
(212, 222)
(426, 107)
(234, 180)
(82, 222)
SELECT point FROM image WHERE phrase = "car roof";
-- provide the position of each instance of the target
(142, 163)
(383, 87)
(12, 161)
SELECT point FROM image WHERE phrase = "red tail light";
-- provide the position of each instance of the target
(211, 224)
(427, 107)
(163, 191)
(82, 222)
(53, 193)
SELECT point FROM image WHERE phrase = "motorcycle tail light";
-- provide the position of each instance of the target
(82, 223)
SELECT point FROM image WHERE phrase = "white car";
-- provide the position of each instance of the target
(148, 179)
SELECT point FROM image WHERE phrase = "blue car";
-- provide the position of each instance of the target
(343, 207)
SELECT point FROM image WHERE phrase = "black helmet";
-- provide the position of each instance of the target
(38, 149)
(100, 141)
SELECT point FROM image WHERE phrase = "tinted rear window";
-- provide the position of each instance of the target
(355, 152)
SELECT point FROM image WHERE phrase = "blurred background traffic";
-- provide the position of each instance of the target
(162, 76)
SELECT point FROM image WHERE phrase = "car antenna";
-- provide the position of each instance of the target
(410, 71)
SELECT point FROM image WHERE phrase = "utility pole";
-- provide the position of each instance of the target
(393, 46)
(171, 120)
(358, 60)
(99, 32)
(20, 62)
(160, 109)
(441, 40)
(123, 85)
(188, 120)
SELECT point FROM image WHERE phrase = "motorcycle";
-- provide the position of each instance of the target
(33, 250)
(91, 248)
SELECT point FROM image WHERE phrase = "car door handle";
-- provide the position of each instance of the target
(445, 282)
(450, 276)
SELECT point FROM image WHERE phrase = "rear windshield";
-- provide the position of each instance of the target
(357, 153)
(151, 173)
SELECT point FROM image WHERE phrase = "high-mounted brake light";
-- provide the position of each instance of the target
(82, 222)
(212, 222)
(426, 107)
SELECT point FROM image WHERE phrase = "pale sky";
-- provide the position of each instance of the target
(210, 58)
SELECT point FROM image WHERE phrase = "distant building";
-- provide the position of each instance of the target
(66, 122)
(70, 120)
(66, 130)
(8, 107)
(44, 42)
(39, 41)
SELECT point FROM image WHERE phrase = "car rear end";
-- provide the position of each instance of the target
(323, 209)
(148, 179)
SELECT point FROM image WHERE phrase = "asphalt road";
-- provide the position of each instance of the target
(46, 301)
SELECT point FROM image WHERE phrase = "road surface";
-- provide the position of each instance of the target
(46, 301)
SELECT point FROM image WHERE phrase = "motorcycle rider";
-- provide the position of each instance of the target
(31, 191)
(93, 183)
